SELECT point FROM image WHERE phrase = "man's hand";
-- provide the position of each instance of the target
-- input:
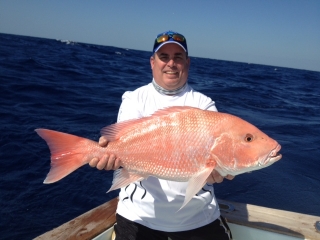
(215, 177)
(108, 161)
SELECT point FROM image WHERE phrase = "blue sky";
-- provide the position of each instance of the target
(283, 33)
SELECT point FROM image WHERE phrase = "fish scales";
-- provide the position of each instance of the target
(175, 145)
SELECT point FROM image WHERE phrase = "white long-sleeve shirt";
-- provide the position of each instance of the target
(154, 202)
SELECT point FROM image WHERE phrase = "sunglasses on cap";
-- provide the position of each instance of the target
(175, 36)
(167, 37)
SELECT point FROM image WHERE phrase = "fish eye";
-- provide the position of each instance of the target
(248, 137)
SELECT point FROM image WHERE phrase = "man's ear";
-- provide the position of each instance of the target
(152, 61)
(188, 62)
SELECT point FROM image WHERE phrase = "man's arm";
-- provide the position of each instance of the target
(128, 110)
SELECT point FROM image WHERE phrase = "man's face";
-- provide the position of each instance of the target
(170, 66)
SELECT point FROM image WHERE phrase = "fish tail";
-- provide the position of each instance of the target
(68, 153)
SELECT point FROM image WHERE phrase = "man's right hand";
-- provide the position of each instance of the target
(108, 161)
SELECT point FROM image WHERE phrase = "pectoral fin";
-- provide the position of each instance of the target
(195, 184)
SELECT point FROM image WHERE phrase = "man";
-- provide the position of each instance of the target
(148, 209)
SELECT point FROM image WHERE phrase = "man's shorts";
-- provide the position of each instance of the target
(128, 230)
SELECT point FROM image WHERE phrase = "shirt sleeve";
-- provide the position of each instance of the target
(208, 104)
(211, 106)
(129, 108)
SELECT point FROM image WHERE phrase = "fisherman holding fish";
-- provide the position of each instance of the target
(148, 209)
(172, 145)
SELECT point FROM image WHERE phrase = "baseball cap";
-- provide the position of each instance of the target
(170, 37)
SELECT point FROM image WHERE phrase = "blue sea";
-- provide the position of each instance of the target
(77, 87)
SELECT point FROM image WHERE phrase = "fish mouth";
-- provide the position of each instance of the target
(274, 154)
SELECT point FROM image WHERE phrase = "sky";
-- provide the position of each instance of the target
(282, 33)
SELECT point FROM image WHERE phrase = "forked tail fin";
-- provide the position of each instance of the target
(68, 153)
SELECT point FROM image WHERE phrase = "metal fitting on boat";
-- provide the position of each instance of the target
(317, 226)
(225, 207)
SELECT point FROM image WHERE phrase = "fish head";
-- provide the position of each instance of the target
(242, 147)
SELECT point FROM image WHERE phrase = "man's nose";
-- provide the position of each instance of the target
(171, 63)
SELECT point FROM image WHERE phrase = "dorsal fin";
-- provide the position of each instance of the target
(115, 131)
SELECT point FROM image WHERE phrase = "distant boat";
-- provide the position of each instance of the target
(66, 41)
(247, 222)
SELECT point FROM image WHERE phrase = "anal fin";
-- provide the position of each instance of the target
(195, 184)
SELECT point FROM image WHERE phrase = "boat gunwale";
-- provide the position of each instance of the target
(101, 218)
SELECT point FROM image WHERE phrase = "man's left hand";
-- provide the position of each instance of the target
(215, 177)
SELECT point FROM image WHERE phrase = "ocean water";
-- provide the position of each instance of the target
(76, 88)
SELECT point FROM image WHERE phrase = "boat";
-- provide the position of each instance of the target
(246, 221)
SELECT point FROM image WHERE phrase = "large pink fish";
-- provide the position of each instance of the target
(181, 144)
